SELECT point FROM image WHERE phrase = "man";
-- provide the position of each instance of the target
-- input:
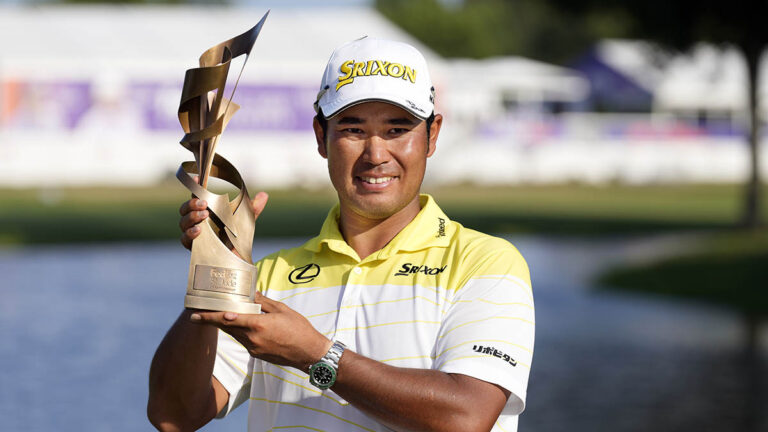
(393, 317)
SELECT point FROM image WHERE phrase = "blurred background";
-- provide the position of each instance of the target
(617, 144)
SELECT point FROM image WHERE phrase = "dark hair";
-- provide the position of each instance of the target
(430, 119)
(320, 117)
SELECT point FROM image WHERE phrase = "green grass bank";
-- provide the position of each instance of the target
(87, 215)
(724, 268)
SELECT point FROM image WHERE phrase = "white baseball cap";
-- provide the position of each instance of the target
(371, 69)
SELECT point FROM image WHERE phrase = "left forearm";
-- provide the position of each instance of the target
(408, 399)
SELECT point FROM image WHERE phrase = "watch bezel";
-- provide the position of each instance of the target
(326, 367)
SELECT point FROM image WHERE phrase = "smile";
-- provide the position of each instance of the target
(376, 180)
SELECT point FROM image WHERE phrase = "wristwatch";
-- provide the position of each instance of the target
(323, 373)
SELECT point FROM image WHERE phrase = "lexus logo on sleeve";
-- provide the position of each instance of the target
(304, 274)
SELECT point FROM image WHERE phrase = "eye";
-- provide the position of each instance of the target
(398, 131)
(352, 130)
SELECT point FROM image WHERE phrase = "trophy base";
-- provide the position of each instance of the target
(207, 303)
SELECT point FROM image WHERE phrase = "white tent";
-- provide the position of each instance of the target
(480, 88)
(708, 78)
(46, 41)
(639, 60)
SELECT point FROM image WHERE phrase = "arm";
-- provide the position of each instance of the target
(183, 394)
(418, 399)
(401, 398)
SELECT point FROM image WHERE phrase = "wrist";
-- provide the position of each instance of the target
(316, 354)
(323, 373)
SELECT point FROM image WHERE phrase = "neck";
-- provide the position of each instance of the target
(366, 235)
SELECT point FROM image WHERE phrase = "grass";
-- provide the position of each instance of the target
(727, 268)
(85, 215)
(589, 210)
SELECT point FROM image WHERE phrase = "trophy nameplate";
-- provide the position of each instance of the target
(222, 276)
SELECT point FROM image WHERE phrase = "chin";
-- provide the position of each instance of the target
(376, 211)
(378, 206)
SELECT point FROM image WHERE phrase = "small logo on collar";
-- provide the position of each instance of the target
(304, 274)
(440, 227)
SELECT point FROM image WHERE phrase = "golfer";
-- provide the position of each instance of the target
(394, 317)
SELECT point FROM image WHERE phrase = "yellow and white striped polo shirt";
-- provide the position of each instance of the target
(438, 296)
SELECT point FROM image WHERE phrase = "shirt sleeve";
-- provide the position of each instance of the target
(231, 368)
(488, 330)
(234, 365)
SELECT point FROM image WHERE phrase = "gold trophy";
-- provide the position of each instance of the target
(221, 274)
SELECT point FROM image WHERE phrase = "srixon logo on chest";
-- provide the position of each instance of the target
(409, 268)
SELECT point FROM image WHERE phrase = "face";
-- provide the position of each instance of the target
(377, 153)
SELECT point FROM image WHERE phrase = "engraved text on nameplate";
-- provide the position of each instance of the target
(223, 280)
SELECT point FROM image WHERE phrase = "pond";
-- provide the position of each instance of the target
(79, 326)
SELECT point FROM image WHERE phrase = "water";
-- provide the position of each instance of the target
(79, 326)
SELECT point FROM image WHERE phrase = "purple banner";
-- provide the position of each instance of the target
(273, 108)
(146, 106)
(43, 105)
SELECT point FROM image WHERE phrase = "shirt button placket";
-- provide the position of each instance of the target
(347, 314)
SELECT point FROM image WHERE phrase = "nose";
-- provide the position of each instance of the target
(376, 151)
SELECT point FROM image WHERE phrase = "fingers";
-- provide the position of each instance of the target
(233, 319)
(192, 205)
(220, 319)
(186, 241)
(192, 213)
(267, 304)
(190, 229)
(258, 203)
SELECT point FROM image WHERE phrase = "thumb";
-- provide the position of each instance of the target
(259, 202)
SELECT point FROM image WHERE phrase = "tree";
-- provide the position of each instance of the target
(485, 28)
(679, 25)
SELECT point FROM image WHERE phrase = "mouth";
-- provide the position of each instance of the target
(370, 182)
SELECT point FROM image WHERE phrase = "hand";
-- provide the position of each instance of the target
(279, 335)
(195, 211)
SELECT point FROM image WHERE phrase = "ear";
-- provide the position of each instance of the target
(434, 131)
(321, 146)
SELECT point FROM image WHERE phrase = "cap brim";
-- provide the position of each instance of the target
(404, 105)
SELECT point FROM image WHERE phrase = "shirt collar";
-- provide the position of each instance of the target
(430, 228)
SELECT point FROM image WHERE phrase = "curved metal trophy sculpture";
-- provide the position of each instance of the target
(221, 274)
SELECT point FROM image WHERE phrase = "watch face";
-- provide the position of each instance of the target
(322, 375)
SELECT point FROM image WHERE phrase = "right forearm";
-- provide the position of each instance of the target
(180, 378)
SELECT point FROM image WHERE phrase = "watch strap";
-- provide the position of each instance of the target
(333, 356)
